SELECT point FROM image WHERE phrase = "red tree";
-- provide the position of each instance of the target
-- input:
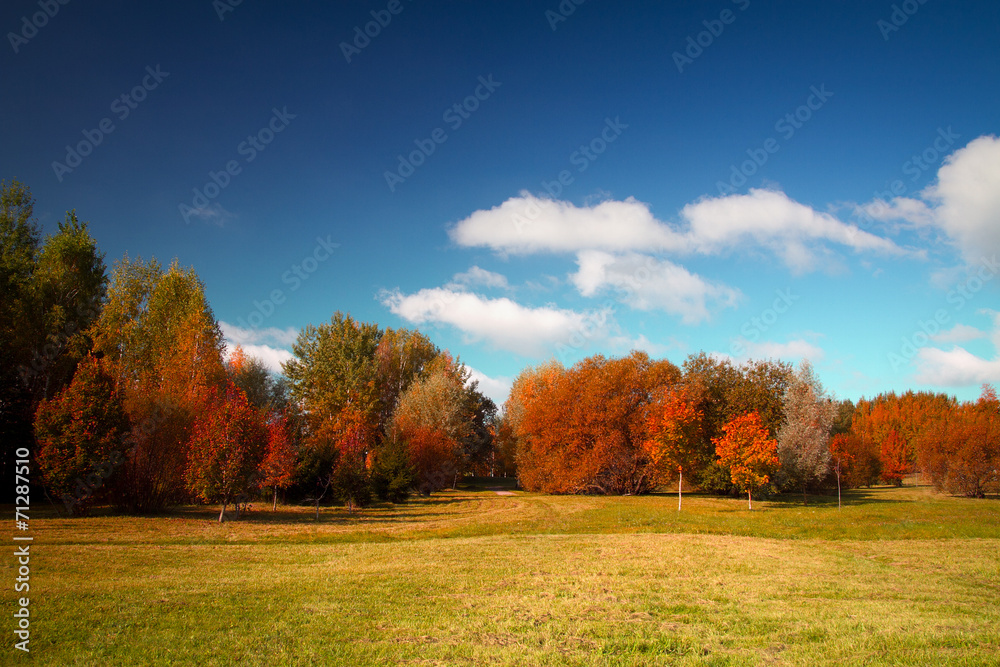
(227, 446)
(277, 470)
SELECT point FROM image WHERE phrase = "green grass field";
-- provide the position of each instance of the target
(899, 576)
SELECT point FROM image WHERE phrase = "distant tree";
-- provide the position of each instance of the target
(960, 451)
(894, 455)
(433, 421)
(803, 447)
(749, 453)
(674, 427)
(840, 457)
(227, 446)
(81, 435)
(582, 430)
(277, 469)
(392, 473)
(729, 390)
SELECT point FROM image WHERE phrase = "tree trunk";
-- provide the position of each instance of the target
(223, 512)
(838, 490)
(805, 501)
(680, 483)
(749, 499)
(317, 509)
(274, 508)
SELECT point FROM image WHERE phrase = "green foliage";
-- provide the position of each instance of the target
(392, 474)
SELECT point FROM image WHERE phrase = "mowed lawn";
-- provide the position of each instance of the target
(470, 577)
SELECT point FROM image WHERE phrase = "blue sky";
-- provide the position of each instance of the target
(527, 180)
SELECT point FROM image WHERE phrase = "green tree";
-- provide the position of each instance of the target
(50, 293)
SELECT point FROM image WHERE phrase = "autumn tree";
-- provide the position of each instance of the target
(803, 447)
(674, 426)
(164, 349)
(728, 390)
(582, 430)
(228, 443)
(432, 420)
(960, 451)
(748, 451)
(893, 423)
(277, 469)
(81, 434)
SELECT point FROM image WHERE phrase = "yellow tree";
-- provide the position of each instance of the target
(749, 453)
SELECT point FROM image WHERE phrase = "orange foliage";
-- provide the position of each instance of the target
(674, 426)
(749, 453)
(582, 430)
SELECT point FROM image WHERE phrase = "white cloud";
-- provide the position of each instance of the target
(960, 333)
(793, 350)
(769, 219)
(502, 322)
(956, 367)
(528, 224)
(964, 202)
(214, 214)
(968, 196)
(647, 284)
(271, 357)
(273, 335)
(264, 344)
(713, 225)
(478, 276)
(497, 388)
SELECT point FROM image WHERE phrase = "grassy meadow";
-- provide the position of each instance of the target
(898, 576)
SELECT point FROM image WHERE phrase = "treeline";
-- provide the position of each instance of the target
(633, 424)
(124, 387)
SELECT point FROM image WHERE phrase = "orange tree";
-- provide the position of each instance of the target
(675, 432)
(749, 453)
